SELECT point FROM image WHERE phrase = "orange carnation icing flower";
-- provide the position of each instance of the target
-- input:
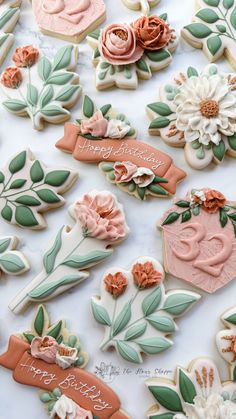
(214, 201)
(11, 77)
(145, 275)
(152, 33)
(25, 56)
(115, 284)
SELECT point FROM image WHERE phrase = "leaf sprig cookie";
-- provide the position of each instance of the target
(50, 358)
(214, 29)
(12, 262)
(99, 224)
(106, 137)
(125, 53)
(199, 239)
(28, 189)
(41, 89)
(144, 5)
(197, 112)
(136, 311)
(9, 15)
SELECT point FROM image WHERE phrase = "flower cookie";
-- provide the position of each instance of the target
(214, 29)
(137, 312)
(144, 5)
(50, 358)
(12, 262)
(124, 53)
(70, 20)
(226, 339)
(41, 89)
(135, 167)
(9, 15)
(198, 112)
(99, 224)
(28, 189)
(199, 239)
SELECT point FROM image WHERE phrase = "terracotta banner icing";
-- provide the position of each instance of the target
(137, 152)
(84, 388)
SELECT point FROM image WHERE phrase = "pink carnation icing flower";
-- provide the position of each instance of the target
(44, 348)
(11, 77)
(96, 125)
(101, 217)
(124, 171)
(118, 46)
(25, 56)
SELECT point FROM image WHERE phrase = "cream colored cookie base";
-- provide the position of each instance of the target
(138, 5)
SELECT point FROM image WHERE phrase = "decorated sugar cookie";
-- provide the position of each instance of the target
(125, 53)
(12, 261)
(70, 20)
(106, 137)
(99, 224)
(50, 358)
(28, 189)
(226, 340)
(199, 239)
(41, 89)
(9, 15)
(137, 312)
(197, 112)
(214, 29)
(144, 5)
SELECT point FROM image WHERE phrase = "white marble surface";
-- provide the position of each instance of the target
(197, 330)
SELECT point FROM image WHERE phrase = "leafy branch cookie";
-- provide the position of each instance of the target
(28, 189)
(136, 311)
(144, 5)
(41, 89)
(9, 15)
(106, 137)
(214, 29)
(125, 53)
(12, 262)
(197, 112)
(199, 239)
(50, 357)
(70, 20)
(99, 224)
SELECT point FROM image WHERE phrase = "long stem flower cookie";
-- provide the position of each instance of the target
(136, 311)
(197, 112)
(50, 357)
(28, 189)
(41, 89)
(199, 239)
(9, 15)
(105, 136)
(144, 5)
(99, 223)
(124, 53)
(70, 20)
(214, 29)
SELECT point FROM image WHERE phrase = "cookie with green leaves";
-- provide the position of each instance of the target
(9, 16)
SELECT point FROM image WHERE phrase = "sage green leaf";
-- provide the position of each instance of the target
(72, 341)
(7, 213)
(159, 179)
(199, 30)
(51, 254)
(96, 53)
(25, 217)
(232, 142)
(60, 78)
(66, 93)
(36, 172)
(183, 204)
(62, 58)
(177, 304)
(104, 65)
(231, 319)
(164, 17)
(95, 34)
(47, 96)
(186, 216)
(18, 162)
(3, 38)
(208, 15)
(53, 110)
(105, 109)
(44, 68)
(45, 397)
(88, 107)
(233, 18)
(7, 15)
(2, 177)
(221, 28)
(57, 177)
(81, 261)
(14, 105)
(128, 352)
(214, 43)
(223, 218)
(28, 200)
(171, 218)
(29, 337)
(160, 108)
(141, 192)
(48, 196)
(135, 331)
(167, 415)
(100, 314)
(158, 56)
(157, 189)
(187, 388)
(55, 330)
(32, 94)
(162, 323)
(122, 319)
(39, 321)
(48, 288)
(192, 72)
(11, 263)
(154, 345)
(160, 122)
(142, 65)
(228, 4)
(213, 3)
(167, 398)
(107, 167)
(17, 184)
(4, 244)
(219, 150)
(152, 301)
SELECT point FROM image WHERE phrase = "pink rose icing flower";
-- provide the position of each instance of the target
(96, 125)
(66, 408)
(118, 46)
(143, 177)
(124, 171)
(101, 217)
(44, 348)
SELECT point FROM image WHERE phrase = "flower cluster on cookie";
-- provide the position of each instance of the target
(124, 52)
(198, 112)
(60, 406)
(226, 340)
(39, 88)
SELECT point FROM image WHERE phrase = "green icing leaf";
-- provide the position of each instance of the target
(141, 192)
(164, 16)
(183, 204)
(44, 68)
(160, 108)
(223, 218)
(47, 96)
(213, 3)
(32, 95)
(100, 314)
(79, 262)
(158, 56)
(231, 319)
(62, 58)
(105, 109)
(199, 30)
(186, 216)
(53, 110)
(232, 142)
(192, 72)
(2, 177)
(107, 167)
(208, 15)
(228, 4)
(162, 323)
(157, 189)
(219, 150)
(178, 303)
(221, 28)
(142, 65)
(154, 345)
(152, 301)
(171, 218)
(167, 415)
(66, 93)
(17, 184)
(88, 107)
(187, 388)
(128, 352)
(214, 43)
(95, 34)
(25, 217)
(4, 244)
(48, 196)
(167, 398)
(11, 263)
(3, 38)
(233, 18)
(14, 105)
(7, 213)
(160, 122)
(28, 200)
(55, 330)
(29, 337)
(60, 78)
(18, 162)
(7, 15)
(122, 319)
(135, 331)
(47, 289)
(36, 172)
(39, 321)
(57, 177)
(50, 255)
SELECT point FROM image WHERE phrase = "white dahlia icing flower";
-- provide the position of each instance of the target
(117, 129)
(66, 408)
(206, 109)
(212, 407)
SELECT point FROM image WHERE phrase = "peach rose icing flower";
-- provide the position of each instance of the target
(101, 217)
(44, 348)
(145, 275)
(214, 200)
(152, 32)
(96, 125)
(124, 171)
(25, 56)
(118, 46)
(115, 284)
(11, 77)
